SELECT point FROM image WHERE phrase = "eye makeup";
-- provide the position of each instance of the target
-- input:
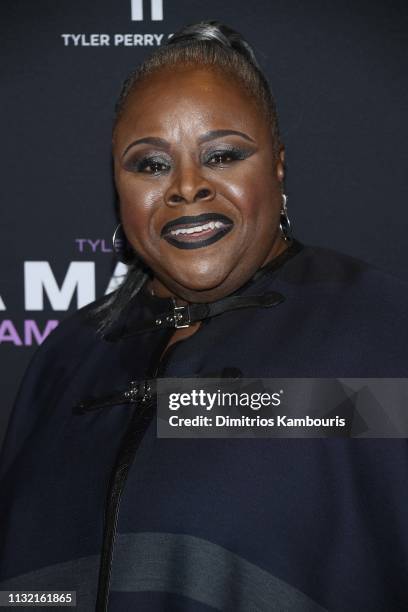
(159, 163)
(148, 164)
(221, 155)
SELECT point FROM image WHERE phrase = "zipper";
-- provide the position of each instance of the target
(140, 394)
(133, 436)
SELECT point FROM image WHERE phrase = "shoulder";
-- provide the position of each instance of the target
(349, 311)
(75, 334)
(77, 340)
(345, 289)
(319, 264)
(332, 272)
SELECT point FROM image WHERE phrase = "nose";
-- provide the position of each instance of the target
(189, 186)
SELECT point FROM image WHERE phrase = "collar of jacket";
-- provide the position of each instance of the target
(159, 313)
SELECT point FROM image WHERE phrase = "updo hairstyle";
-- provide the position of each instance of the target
(210, 43)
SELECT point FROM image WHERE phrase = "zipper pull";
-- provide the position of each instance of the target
(137, 392)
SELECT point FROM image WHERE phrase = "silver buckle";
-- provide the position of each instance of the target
(179, 316)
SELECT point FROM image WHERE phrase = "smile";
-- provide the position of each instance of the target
(198, 231)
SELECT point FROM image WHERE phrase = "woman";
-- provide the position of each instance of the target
(216, 287)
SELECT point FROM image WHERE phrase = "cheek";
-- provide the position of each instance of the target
(258, 202)
(138, 205)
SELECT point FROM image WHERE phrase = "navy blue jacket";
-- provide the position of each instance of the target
(212, 524)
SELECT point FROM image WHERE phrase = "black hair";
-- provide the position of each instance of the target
(208, 43)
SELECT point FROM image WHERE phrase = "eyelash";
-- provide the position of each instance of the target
(146, 162)
(233, 154)
(227, 155)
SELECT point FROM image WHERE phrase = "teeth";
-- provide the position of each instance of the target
(197, 228)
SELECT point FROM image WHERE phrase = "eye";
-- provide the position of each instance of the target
(224, 157)
(148, 165)
(220, 158)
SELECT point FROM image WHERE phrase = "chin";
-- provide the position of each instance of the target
(199, 280)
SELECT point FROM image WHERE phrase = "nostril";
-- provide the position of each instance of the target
(203, 193)
(176, 198)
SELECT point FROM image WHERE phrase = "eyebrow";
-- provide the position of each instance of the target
(153, 140)
(213, 134)
(164, 144)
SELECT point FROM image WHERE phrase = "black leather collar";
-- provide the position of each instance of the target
(162, 313)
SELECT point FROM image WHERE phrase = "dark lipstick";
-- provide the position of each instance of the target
(210, 227)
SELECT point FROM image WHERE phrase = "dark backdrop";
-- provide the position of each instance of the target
(339, 73)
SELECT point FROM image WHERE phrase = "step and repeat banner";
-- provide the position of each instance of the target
(340, 78)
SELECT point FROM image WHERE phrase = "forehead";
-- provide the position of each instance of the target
(187, 100)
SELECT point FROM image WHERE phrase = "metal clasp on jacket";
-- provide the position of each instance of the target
(181, 316)
(178, 319)
(137, 392)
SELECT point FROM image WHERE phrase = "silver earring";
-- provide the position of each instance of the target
(285, 225)
(121, 246)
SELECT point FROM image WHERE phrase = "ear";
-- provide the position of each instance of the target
(280, 165)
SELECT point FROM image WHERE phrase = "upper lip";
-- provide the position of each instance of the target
(191, 221)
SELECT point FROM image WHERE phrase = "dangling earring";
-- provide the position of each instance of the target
(285, 226)
(121, 246)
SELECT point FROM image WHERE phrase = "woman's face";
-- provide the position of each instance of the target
(198, 182)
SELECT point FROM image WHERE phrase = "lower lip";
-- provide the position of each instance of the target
(198, 240)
